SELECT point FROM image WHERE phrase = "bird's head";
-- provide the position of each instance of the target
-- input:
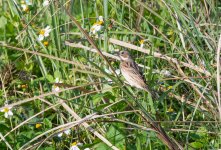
(125, 56)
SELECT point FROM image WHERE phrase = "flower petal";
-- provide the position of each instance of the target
(10, 113)
(28, 2)
(24, 7)
(74, 148)
(6, 115)
(45, 3)
(57, 80)
(67, 132)
(55, 89)
(60, 134)
(46, 34)
(100, 18)
(79, 144)
(117, 71)
(40, 37)
(107, 71)
(47, 28)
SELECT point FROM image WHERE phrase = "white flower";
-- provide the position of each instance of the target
(117, 71)
(7, 111)
(74, 146)
(45, 3)
(87, 149)
(56, 88)
(25, 5)
(109, 72)
(57, 80)
(141, 43)
(97, 26)
(60, 134)
(44, 33)
(28, 2)
(165, 73)
(67, 132)
(100, 18)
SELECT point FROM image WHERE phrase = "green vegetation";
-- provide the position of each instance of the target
(60, 86)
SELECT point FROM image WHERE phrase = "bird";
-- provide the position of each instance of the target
(131, 72)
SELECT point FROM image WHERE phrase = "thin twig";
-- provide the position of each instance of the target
(218, 75)
(6, 142)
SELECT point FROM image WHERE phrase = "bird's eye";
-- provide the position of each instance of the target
(122, 53)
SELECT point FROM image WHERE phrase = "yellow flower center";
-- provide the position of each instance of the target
(26, 9)
(38, 125)
(6, 110)
(98, 23)
(141, 41)
(24, 86)
(45, 43)
(170, 109)
(74, 144)
(22, 2)
(170, 87)
(42, 32)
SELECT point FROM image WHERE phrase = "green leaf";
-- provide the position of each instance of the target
(138, 143)
(3, 22)
(101, 107)
(196, 144)
(97, 98)
(202, 131)
(48, 148)
(47, 123)
(57, 74)
(50, 78)
(115, 136)
(101, 146)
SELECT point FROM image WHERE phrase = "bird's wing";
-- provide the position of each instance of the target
(133, 71)
(135, 66)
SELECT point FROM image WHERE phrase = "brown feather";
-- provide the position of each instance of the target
(132, 73)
